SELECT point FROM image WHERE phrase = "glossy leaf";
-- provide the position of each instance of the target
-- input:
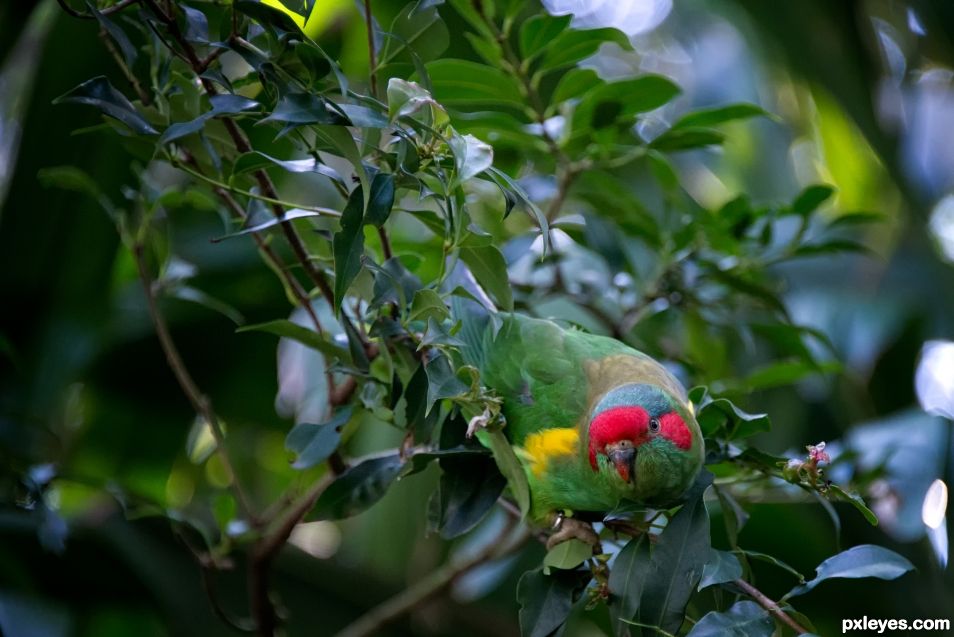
(305, 336)
(381, 200)
(866, 560)
(722, 567)
(545, 600)
(577, 44)
(743, 619)
(361, 486)
(490, 269)
(718, 115)
(538, 31)
(313, 444)
(628, 577)
(98, 92)
(567, 555)
(348, 246)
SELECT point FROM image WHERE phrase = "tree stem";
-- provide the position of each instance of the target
(770, 606)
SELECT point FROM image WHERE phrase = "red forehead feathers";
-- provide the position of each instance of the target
(618, 423)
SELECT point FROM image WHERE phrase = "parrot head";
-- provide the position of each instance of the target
(643, 440)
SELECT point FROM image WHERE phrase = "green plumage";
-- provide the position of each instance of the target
(554, 378)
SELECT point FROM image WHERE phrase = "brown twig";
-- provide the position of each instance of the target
(144, 97)
(200, 402)
(116, 8)
(372, 622)
(770, 606)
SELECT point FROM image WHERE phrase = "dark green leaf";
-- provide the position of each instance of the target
(357, 488)
(628, 577)
(490, 269)
(381, 200)
(545, 600)
(313, 444)
(467, 84)
(538, 31)
(866, 560)
(348, 245)
(256, 160)
(678, 560)
(197, 25)
(100, 93)
(577, 44)
(810, 198)
(575, 83)
(290, 215)
(743, 619)
(567, 555)
(441, 380)
(226, 104)
(722, 567)
(303, 108)
(733, 514)
(116, 33)
(509, 466)
(831, 246)
(686, 138)
(856, 501)
(621, 101)
(305, 336)
(715, 414)
(718, 115)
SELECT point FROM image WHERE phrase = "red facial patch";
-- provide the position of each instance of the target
(618, 423)
(672, 426)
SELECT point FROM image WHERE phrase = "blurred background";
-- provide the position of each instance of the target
(863, 95)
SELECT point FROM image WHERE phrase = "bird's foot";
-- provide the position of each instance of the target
(565, 528)
(479, 422)
(625, 527)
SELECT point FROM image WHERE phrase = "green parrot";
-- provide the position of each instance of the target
(596, 423)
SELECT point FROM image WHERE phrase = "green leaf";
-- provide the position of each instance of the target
(678, 560)
(289, 215)
(714, 414)
(811, 198)
(545, 600)
(538, 31)
(469, 488)
(686, 139)
(303, 108)
(575, 83)
(771, 559)
(225, 104)
(381, 200)
(267, 15)
(621, 101)
(305, 336)
(116, 33)
(567, 555)
(348, 245)
(466, 84)
(410, 99)
(831, 246)
(471, 157)
(428, 304)
(722, 567)
(856, 501)
(630, 572)
(865, 560)
(256, 160)
(733, 514)
(100, 93)
(509, 466)
(419, 30)
(718, 115)
(490, 269)
(784, 373)
(357, 488)
(313, 444)
(442, 382)
(577, 44)
(743, 619)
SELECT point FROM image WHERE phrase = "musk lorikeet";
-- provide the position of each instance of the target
(597, 423)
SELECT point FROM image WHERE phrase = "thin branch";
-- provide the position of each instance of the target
(144, 97)
(116, 8)
(770, 606)
(201, 403)
(372, 61)
(372, 622)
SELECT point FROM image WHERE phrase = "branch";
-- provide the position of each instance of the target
(770, 606)
(201, 404)
(372, 62)
(372, 622)
(116, 8)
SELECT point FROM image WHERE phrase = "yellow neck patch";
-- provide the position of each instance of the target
(549, 443)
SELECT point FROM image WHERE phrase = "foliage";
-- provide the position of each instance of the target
(517, 178)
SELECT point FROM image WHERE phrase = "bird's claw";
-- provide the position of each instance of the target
(565, 528)
(478, 422)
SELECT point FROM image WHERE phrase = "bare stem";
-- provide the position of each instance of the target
(372, 57)
(201, 403)
(433, 584)
(770, 606)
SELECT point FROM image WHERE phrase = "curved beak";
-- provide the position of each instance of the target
(624, 460)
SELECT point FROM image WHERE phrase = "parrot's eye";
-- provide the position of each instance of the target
(654, 424)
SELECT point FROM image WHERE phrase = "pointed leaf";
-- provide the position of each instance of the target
(313, 444)
(357, 488)
(348, 246)
(546, 600)
(865, 560)
(100, 93)
(743, 619)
